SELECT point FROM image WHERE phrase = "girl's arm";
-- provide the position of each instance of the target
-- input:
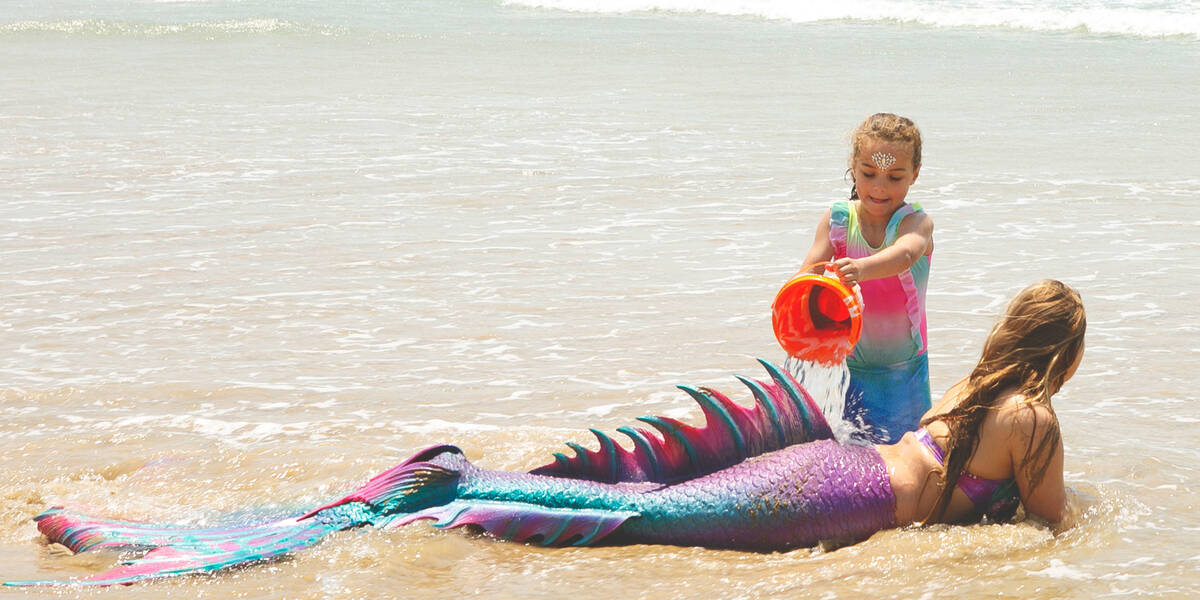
(914, 240)
(822, 248)
(1048, 498)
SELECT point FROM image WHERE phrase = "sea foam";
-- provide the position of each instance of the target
(1137, 18)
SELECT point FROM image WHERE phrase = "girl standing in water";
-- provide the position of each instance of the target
(882, 243)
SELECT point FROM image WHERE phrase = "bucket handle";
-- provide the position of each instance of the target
(828, 272)
(832, 274)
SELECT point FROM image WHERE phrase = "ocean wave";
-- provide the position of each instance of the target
(207, 29)
(1137, 18)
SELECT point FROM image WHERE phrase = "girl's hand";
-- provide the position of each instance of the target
(848, 270)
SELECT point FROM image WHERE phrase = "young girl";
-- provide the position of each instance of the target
(882, 243)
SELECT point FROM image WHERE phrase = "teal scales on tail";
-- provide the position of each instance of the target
(764, 478)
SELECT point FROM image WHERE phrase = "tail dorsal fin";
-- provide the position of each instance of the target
(414, 481)
(784, 414)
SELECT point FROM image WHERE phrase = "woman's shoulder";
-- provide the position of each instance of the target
(1025, 418)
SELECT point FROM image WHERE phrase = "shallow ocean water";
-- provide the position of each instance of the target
(255, 253)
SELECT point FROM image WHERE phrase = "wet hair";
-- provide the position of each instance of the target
(886, 127)
(1031, 351)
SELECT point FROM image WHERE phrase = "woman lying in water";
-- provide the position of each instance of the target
(993, 439)
(764, 478)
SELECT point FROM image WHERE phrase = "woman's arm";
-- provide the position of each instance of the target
(1044, 494)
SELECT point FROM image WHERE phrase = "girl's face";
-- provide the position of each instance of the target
(882, 172)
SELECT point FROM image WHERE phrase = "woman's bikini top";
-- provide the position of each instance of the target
(997, 499)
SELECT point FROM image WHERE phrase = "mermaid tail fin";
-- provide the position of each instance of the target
(784, 414)
(175, 550)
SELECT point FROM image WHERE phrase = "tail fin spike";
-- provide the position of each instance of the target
(721, 411)
(814, 421)
(784, 414)
(413, 476)
(762, 400)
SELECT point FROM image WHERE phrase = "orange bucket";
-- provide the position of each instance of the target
(816, 317)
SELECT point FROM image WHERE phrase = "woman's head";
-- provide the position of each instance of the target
(885, 158)
(1039, 340)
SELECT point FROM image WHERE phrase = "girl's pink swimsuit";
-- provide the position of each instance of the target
(889, 369)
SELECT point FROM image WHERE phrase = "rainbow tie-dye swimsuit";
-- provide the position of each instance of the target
(889, 368)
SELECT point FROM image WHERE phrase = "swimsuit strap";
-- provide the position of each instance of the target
(839, 224)
(912, 302)
(978, 489)
(926, 439)
(893, 227)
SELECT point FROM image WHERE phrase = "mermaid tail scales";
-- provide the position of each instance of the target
(790, 498)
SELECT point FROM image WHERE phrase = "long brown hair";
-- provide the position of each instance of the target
(1030, 350)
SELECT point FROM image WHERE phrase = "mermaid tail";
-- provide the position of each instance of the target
(748, 478)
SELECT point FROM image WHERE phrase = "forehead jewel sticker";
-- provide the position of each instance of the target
(883, 160)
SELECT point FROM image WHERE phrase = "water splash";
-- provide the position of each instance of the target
(828, 385)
